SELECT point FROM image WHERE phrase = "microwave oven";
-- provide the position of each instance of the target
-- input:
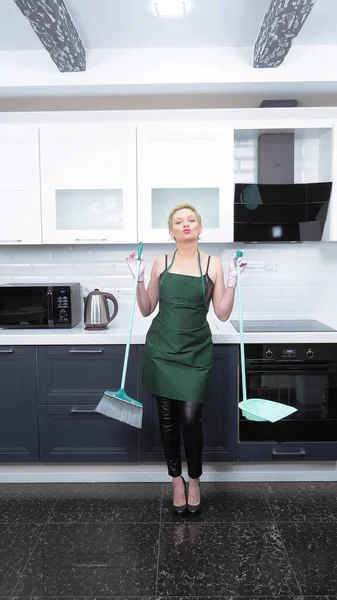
(35, 306)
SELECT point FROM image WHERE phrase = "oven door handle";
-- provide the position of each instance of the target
(284, 363)
(284, 369)
(291, 453)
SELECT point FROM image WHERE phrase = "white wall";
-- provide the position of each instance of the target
(282, 280)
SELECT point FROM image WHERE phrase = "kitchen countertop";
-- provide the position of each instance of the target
(222, 332)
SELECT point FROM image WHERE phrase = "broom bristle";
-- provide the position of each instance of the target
(121, 410)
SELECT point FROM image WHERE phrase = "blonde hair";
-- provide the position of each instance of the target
(180, 207)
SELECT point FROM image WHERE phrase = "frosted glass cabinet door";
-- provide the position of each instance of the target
(20, 208)
(88, 183)
(185, 162)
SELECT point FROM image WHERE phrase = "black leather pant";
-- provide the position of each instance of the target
(176, 415)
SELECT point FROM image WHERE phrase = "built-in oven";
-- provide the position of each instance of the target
(299, 375)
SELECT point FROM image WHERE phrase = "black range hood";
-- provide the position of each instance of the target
(275, 209)
(280, 212)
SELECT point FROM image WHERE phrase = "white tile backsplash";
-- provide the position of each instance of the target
(281, 279)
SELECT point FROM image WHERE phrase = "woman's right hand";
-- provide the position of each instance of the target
(131, 261)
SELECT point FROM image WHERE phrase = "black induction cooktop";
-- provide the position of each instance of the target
(283, 326)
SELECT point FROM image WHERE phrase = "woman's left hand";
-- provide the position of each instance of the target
(232, 275)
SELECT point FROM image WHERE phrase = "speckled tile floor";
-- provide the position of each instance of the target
(252, 540)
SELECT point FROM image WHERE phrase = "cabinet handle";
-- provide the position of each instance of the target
(85, 351)
(83, 410)
(90, 239)
(10, 240)
(6, 351)
(295, 453)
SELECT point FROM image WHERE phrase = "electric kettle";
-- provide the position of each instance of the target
(96, 309)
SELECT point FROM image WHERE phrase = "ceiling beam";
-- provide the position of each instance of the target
(282, 22)
(53, 25)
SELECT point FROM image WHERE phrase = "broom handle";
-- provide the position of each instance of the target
(134, 296)
(239, 253)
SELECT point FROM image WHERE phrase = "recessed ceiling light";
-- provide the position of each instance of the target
(170, 8)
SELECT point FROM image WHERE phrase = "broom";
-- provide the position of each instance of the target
(118, 405)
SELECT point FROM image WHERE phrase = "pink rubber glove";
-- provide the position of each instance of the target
(232, 275)
(131, 261)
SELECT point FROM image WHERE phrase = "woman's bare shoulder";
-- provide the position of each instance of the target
(159, 264)
(212, 258)
(215, 266)
(206, 255)
(216, 259)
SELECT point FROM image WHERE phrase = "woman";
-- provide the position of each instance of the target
(179, 350)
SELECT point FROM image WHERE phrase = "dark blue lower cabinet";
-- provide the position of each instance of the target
(72, 380)
(48, 397)
(19, 441)
(220, 414)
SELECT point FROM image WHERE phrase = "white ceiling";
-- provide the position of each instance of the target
(132, 24)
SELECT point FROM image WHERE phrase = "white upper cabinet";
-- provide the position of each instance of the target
(185, 162)
(20, 210)
(88, 183)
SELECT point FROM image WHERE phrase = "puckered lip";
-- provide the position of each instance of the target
(187, 230)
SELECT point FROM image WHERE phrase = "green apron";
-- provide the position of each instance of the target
(178, 348)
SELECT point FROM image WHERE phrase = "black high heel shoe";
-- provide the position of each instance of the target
(194, 509)
(181, 509)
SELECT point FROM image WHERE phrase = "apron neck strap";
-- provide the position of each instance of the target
(200, 269)
(202, 279)
(168, 268)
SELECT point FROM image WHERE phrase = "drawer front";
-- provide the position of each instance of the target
(70, 375)
(286, 451)
(77, 433)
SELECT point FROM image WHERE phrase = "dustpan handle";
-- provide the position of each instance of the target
(134, 296)
(239, 253)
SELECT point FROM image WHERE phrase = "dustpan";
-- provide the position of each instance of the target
(256, 409)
